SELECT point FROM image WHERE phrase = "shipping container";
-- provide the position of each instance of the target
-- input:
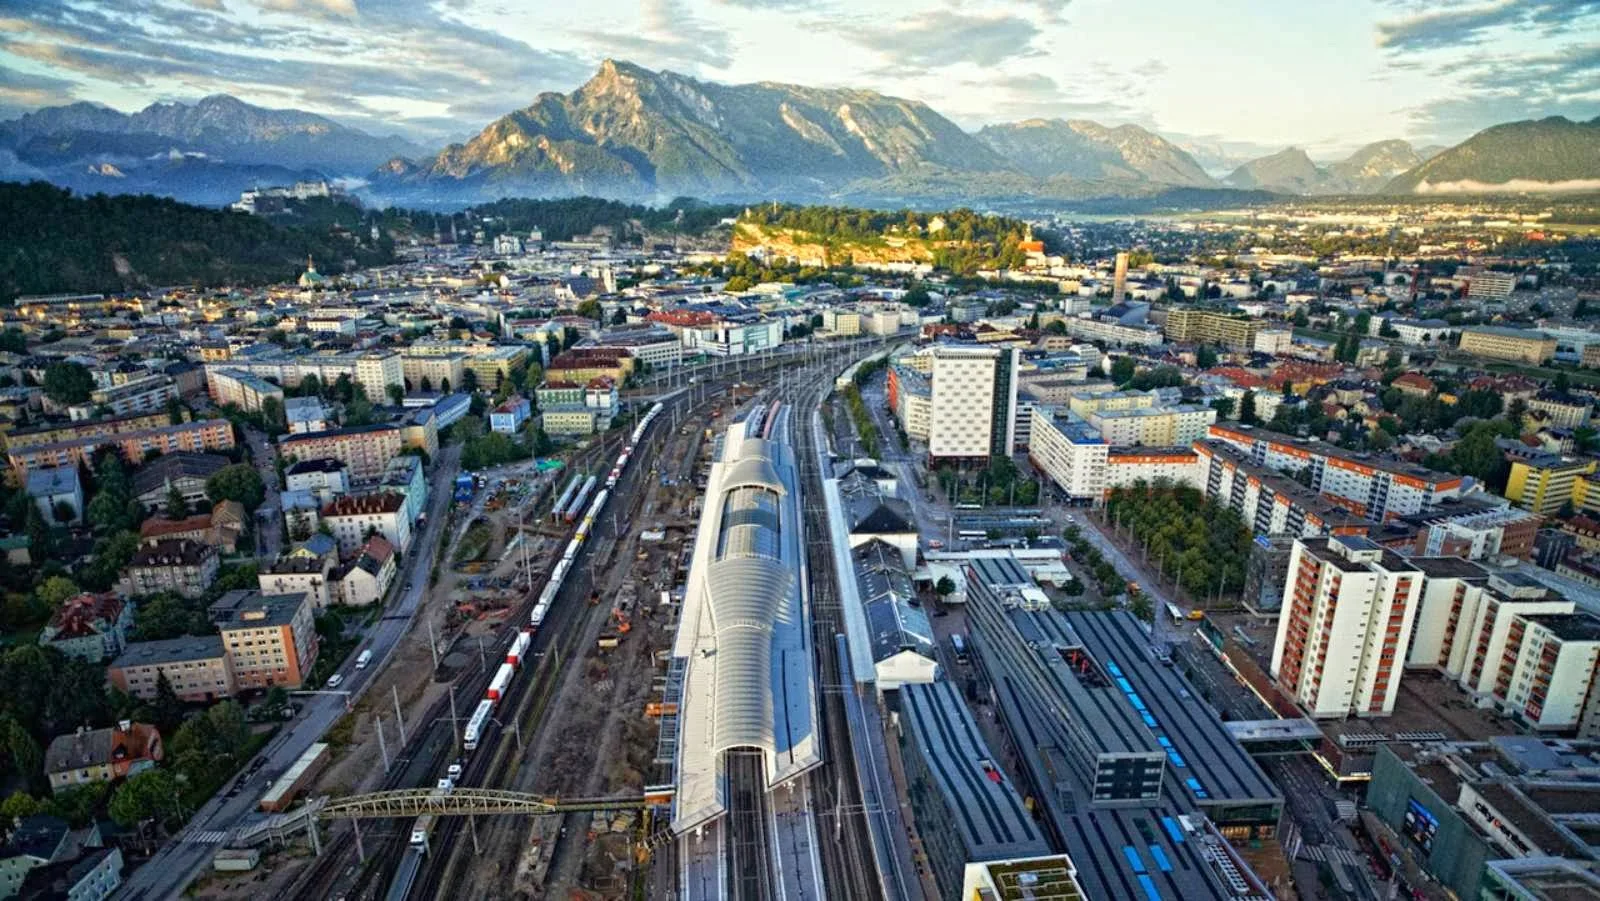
(501, 681)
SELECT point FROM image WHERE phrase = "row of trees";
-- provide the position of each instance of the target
(1200, 543)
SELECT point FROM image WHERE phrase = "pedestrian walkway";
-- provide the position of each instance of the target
(1330, 854)
(206, 837)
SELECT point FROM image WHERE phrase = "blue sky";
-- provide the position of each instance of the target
(1246, 75)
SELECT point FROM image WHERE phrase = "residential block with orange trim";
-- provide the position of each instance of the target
(1364, 484)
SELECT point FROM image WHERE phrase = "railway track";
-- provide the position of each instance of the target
(849, 869)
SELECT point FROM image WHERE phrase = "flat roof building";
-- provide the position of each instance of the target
(965, 808)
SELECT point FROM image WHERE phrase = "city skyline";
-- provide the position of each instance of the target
(1242, 78)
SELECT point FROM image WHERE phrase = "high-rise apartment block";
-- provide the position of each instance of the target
(1348, 612)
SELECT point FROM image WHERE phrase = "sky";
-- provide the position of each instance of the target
(1239, 77)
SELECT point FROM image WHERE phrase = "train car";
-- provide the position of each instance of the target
(537, 618)
(571, 513)
(420, 830)
(501, 681)
(518, 649)
(474, 730)
(566, 496)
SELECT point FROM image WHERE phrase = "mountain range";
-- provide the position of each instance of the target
(205, 152)
(637, 134)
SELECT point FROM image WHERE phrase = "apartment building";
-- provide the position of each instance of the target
(910, 395)
(301, 571)
(1474, 529)
(146, 394)
(270, 639)
(582, 365)
(489, 363)
(1270, 504)
(197, 667)
(1083, 465)
(373, 370)
(974, 391)
(1512, 645)
(365, 450)
(178, 565)
(1514, 344)
(325, 479)
(306, 414)
(353, 517)
(238, 388)
(1545, 482)
(19, 439)
(1490, 285)
(1190, 326)
(1374, 487)
(1348, 613)
(433, 372)
(1179, 425)
(1560, 409)
(195, 437)
(841, 321)
(1113, 332)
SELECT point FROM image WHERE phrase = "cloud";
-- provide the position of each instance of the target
(1494, 89)
(391, 57)
(1465, 24)
(941, 37)
(670, 37)
(21, 91)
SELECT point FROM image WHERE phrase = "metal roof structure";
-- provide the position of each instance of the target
(895, 622)
(743, 638)
(982, 806)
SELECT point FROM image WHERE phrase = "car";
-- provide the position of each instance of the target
(454, 772)
(445, 785)
(334, 680)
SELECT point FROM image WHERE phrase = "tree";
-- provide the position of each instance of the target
(1205, 356)
(13, 341)
(397, 393)
(238, 482)
(944, 587)
(1247, 409)
(272, 415)
(469, 380)
(144, 796)
(1300, 317)
(1379, 439)
(166, 709)
(66, 382)
(1562, 382)
(175, 411)
(1583, 438)
(425, 384)
(177, 504)
(1122, 370)
(54, 591)
(444, 384)
(1224, 407)
(20, 804)
(64, 512)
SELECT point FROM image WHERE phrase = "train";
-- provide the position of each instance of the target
(563, 567)
(574, 499)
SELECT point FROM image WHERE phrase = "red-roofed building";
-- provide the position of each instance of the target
(1414, 383)
(356, 517)
(365, 579)
(681, 319)
(92, 627)
(1241, 377)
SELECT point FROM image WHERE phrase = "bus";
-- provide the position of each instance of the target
(972, 535)
(1176, 613)
(958, 646)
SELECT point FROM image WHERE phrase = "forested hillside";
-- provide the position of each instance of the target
(52, 241)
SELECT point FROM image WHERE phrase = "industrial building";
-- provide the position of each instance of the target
(965, 809)
(1142, 785)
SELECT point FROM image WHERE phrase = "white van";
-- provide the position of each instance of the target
(364, 659)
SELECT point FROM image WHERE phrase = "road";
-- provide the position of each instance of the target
(269, 518)
(166, 875)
